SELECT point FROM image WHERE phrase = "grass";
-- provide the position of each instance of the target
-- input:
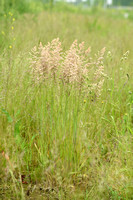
(56, 141)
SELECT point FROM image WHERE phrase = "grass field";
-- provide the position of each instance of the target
(60, 139)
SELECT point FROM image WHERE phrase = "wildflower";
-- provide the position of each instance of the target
(14, 38)
(84, 101)
(12, 28)
(13, 19)
(10, 14)
(10, 47)
(2, 32)
(126, 114)
(102, 102)
(5, 15)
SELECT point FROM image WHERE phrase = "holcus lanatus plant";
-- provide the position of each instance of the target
(72, 66)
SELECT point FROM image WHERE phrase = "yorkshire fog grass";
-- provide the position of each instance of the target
(59, 138)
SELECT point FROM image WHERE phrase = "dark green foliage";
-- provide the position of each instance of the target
(123, 2)
(19, 5)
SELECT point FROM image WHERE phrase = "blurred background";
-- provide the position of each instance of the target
(31, 5)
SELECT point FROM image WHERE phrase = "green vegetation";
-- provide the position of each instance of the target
(57, 139)
(123, 2)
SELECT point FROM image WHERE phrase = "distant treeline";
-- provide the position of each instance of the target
(23, 6)
(123, 2)
(114, 2)
(6, 5)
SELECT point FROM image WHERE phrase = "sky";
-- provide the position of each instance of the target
(109, 2)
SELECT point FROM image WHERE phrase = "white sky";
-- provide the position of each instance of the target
(73, 1)
(109, 2)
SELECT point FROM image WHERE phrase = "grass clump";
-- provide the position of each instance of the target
(66, 111)
(73, 66)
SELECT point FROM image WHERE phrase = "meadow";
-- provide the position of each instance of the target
(66, 107)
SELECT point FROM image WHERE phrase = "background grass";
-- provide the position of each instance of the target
(56, 142)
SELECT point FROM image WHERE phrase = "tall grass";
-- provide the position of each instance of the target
(58, 141)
